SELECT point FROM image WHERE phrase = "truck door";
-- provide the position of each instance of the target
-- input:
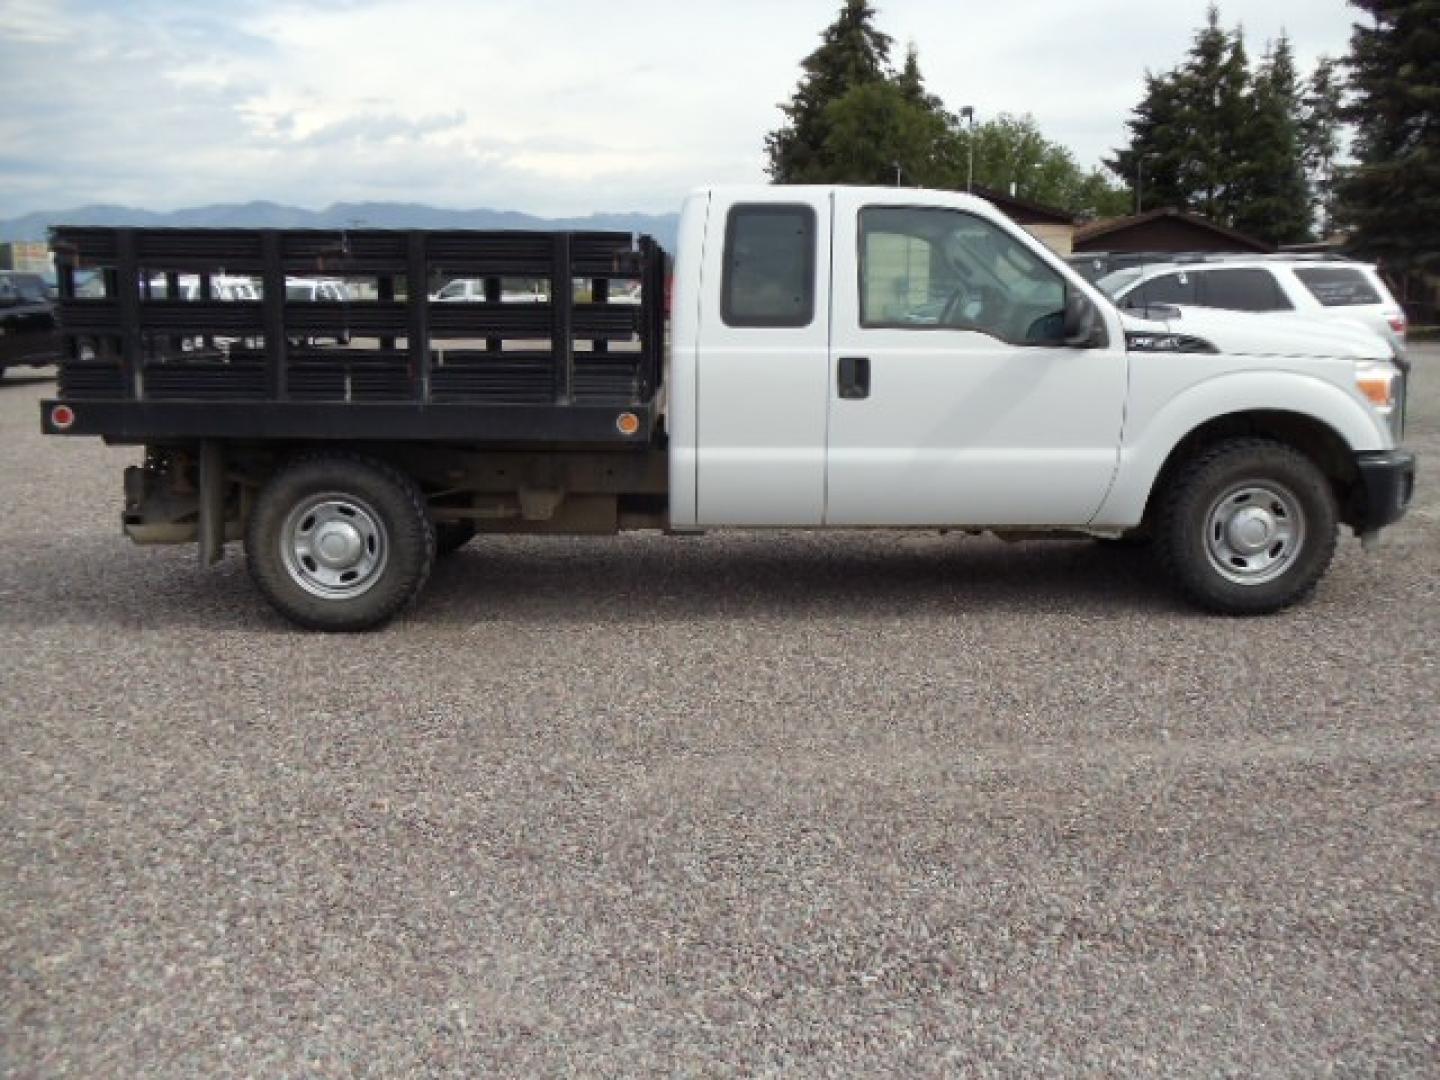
(762, 362)
(951, 401)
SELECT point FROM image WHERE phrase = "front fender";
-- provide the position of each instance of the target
(1149, 441)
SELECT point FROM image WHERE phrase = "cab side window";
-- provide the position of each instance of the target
(769, 273)
(930, 268)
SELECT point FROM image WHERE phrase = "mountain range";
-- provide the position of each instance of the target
(366, 215)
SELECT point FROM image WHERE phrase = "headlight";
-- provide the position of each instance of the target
(1383, 385)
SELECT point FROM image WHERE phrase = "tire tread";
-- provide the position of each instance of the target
(1199, 584)
(374, 608)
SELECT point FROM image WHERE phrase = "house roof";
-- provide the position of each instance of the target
(1023, 210)
(1095, 230)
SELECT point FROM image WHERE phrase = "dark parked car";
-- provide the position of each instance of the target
(27, 322)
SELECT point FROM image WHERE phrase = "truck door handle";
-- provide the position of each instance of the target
(853, 377)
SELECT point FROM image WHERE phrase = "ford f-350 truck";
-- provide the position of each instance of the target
(837, 357)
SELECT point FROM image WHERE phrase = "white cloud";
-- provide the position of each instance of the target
(549, 106)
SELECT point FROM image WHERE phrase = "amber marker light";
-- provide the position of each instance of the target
(627, 423)
(1376, 388)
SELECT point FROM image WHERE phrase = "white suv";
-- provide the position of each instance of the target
(1333, 290)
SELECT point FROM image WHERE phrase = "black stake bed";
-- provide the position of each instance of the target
(467, 336)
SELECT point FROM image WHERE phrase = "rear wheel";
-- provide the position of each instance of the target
(339, 542)
(1248, 527)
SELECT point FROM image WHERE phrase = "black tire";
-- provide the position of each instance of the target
(377, 520)
(451, 536)
(1204, 539)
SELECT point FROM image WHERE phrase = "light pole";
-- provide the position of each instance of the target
(1140, 182)
(967, 112)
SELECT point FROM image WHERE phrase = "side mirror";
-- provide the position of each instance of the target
(1081, 321)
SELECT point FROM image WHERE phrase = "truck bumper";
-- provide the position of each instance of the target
(1387, 483)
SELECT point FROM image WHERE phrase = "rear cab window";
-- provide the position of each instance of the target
(1338, 286)
(769, 274)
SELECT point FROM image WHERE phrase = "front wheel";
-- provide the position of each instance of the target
(339, 542)
(1248, 527)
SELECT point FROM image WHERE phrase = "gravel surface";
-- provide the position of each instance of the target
(771, 804)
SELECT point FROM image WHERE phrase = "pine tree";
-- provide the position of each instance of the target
(1214, 91)
(1269, 196)
(912, 84)
(853, 120)
(1154, 165)
(852, 53)
(1320, 120)
(1392, 197)
(1185, 132)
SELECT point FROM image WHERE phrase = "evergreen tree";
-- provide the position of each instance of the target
(853, 120)
(1183, 134)
(912, 85)
(1155, 164)
(852, 53)
(1320, 119)
(1269, 196)
(1392, 196)
(1214, 92)
(1214, 137)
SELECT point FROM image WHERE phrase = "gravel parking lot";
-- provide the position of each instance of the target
(787, 803)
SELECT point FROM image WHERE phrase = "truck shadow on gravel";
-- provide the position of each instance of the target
(809, 576)
(607, 581)
(10, 380)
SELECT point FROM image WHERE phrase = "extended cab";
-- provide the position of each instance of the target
(839, 357)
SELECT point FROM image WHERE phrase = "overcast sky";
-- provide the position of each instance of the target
(553, 107)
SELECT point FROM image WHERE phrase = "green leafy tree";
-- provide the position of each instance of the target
(875, 134)
(1269, 193)
(852, 53)
(1097, 196)
(1012, 156)
(1321, 117)
(1391, 198)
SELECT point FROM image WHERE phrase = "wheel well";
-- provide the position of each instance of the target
(1315, 439)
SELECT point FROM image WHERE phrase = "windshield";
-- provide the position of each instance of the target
(1112, 284)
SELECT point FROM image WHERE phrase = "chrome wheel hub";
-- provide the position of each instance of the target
(334, 546)
(1254, 532)
(337, 544)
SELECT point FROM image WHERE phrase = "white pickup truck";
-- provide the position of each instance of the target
(838, 357)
